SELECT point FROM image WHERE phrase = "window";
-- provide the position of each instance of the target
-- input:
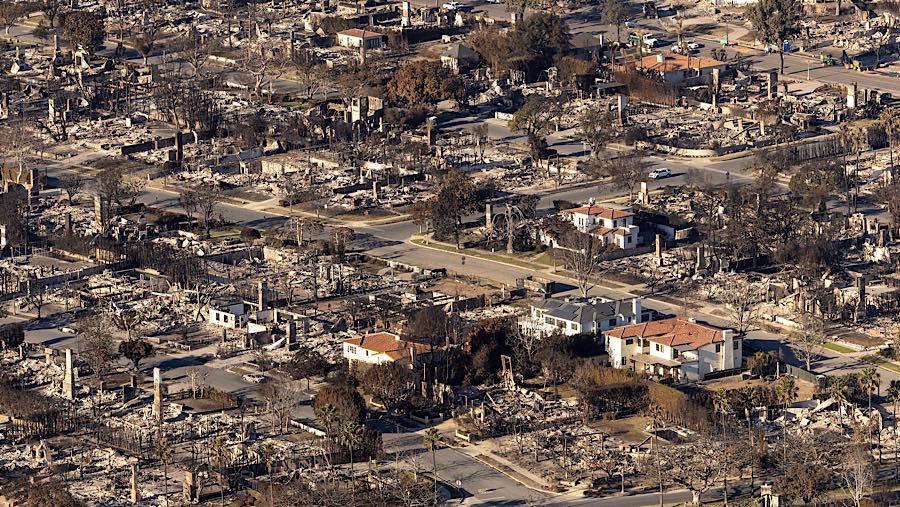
(573, 326)
(736, 345)
(629, 341)
(612, 322)
(351, 349)
(658, 347)
(217, 316)
(718, 348)
(628, 239)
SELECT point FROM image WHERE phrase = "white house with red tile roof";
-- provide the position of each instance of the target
(610, 225)
(677, 347)
(383, 347)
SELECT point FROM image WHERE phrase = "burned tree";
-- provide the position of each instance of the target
(580, 253)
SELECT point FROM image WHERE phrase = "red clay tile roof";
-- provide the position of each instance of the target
(384, 342)
(600, 211)
(674, 62)
(674, 332)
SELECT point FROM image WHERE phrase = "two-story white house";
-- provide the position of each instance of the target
(594, 315)
(384, 347)
(678, 347)
(610, 225)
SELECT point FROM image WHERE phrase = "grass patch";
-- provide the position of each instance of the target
(884, 363)
(545, 258)
(838, 348)
(480, 254)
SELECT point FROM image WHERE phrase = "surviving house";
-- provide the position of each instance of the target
(355, 37)
(612, 226)
(384, 347)
(594, 315)
(674, 68)
(677, 347)
(459, 58)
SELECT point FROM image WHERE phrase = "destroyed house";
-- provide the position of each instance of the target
(384, 347)
(679, 348)
(594, 315)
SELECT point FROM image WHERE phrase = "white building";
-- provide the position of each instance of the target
(354, 38)
(552, 316)
(229, 315)
(383, 347)
(677, 347)
(610, 225)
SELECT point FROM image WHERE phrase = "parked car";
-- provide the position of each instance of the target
(254, 378)
(694, 45)
(662, 172)
(451, 6)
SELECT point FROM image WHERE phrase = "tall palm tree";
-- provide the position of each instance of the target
(164, 453)
(432, 440)
(722, 404)
(838, 390)
(869, 380)
(893, 393)
(350, 437)
(656, 416)
(787, 391)
(749, 401)
(328, 417)
(271, 456)
(220, 457)
(890, 122)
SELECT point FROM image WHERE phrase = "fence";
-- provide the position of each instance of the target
(800, 373)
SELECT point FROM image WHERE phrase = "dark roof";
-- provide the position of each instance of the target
(587, 311)
(460, 52)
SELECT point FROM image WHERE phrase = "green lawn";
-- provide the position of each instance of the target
(838, 348)
(481, 254)
(884, 363)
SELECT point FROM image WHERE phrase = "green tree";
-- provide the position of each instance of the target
(10, 12)
(456, 198)
(787, 391)
(533, 119)
(165, 453)
(135, 351)
(350, 437)
(776, 21)
(389, 383)
(596, 128)
(347, 403)
(85, 29)
(614, 12)
(869, 380)
(890, 122)
(432, 439)
(540, 41)
(838, 389)
(424, 82)
(893, 394)
(305, 363)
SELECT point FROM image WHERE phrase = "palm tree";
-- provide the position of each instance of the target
(655, 413)
(432, 440)
(890, 122)
(749, 400)
(328, 417)
(869, 380)
(164, 452)
(893, 393)
(722, 404)
(220, 457)
(787, 391)
(350, 437)
(271, 455)
(838, 390)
